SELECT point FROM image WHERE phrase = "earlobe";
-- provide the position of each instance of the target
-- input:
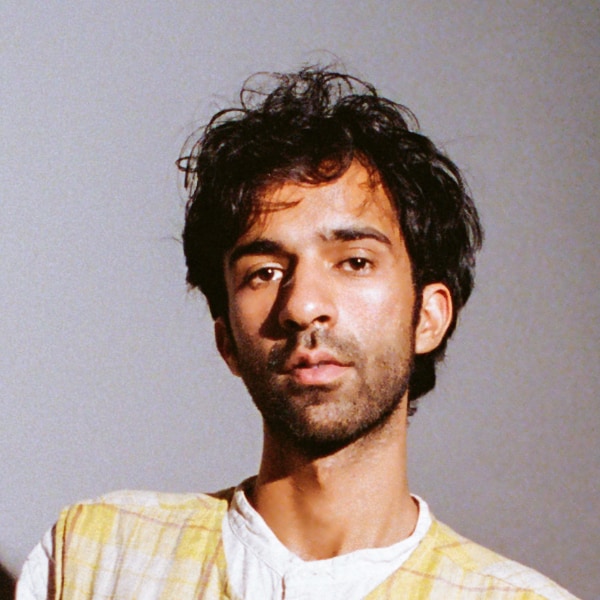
(435, 317)
(225, 345)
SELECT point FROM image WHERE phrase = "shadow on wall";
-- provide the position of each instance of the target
(7, 584)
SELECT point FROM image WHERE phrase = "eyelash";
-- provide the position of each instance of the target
(255, 278)
(357, 264)
(354, 265)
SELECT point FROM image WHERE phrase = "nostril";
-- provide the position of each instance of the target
(297, 326)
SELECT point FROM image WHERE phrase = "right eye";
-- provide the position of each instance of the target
(263, 276)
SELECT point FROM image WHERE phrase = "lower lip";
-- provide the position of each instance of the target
(318, 375)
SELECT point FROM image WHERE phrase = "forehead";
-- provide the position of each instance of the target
(356, 196)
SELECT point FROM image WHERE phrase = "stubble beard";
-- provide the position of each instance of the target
(321, 419)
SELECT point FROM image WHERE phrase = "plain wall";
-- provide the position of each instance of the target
(108, 374)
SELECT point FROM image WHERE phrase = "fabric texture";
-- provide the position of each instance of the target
(143, 545)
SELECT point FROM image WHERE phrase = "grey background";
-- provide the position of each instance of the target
(108, 374)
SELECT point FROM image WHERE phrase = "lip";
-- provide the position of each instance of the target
(315, 368)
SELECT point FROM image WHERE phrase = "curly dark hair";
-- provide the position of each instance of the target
(308, 127)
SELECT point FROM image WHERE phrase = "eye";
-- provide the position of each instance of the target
(264, 275)
(357, 264)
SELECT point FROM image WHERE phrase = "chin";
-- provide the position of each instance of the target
(317, 436)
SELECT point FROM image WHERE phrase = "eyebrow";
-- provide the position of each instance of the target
(253, 248)
(268, 246)
(351, 234)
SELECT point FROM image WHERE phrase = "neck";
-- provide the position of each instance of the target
(355, 498)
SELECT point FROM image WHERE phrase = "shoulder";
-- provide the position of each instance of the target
(138, 519)
(125, 531)
(140, 540)
(467, 564)
(147, 500)
(155, 509)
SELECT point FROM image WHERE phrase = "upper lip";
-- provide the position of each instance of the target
(306, 359)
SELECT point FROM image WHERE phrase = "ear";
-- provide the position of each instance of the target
(225, 345)
(435, 317)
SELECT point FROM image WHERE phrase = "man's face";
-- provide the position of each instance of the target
(321, 311)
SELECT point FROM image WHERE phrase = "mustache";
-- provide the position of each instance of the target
(346, 350)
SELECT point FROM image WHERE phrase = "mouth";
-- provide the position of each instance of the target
(318, 368)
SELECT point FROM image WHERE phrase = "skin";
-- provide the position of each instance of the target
(322, 329)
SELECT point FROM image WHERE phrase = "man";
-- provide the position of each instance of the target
(335, 246)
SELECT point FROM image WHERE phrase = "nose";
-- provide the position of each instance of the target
(306, 299)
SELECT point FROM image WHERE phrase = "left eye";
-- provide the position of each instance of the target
(357, 263)
(265, 275)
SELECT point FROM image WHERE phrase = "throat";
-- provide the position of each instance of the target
(315, 525)
(355, 498)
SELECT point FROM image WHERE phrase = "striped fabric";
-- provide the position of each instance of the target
(144, 545)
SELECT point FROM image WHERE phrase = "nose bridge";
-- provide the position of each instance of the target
(306, 297)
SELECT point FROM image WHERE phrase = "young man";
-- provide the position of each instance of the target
(335, 246)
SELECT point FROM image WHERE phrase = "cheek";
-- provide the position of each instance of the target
(251, 307)
(384, 323)
(384, 303)
(246, 326)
